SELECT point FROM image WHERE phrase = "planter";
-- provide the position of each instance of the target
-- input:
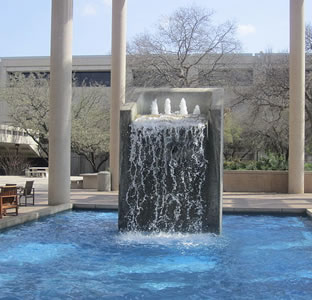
(260, 181)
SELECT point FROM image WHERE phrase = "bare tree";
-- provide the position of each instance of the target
(308, 38)
(267, 100)
(90, 126)
(28, 101)
(240, 140)
(12, 163)
(265, 103)
(308, 79)
(27, 98)
(184, 45)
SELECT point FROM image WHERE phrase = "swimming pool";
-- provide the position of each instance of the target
(81, 255)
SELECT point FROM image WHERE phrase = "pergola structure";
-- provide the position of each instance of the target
(61, 94)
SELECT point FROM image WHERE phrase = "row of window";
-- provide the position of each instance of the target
(150, 78)
(222, 77)
(13, 132)
(81, 78)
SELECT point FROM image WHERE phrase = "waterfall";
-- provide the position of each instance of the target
(167, 169)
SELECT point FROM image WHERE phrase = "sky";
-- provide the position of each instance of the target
(25, 25)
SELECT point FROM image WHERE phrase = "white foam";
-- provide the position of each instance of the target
(173, 120)
(187, 240)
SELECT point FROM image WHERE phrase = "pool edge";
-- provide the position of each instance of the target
(51, 210)
(32, 216)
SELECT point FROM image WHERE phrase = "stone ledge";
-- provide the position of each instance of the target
(95, 206)
(51, 210)
(267, 181)
(27, 217)
(84, 206)
(89, 180)
(261, 210)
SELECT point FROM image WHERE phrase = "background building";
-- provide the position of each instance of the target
(236, 73)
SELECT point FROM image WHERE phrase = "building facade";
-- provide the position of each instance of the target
(88, 70)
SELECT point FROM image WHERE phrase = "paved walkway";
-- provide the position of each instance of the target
(232, 202)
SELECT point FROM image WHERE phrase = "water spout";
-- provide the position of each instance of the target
(196, 110)
(154, 108)
(183, 108)
(167, 107)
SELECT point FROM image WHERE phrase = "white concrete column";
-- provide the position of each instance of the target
(60, 102)
(118, 83)
(297, 98)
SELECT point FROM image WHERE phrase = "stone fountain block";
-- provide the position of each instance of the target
(211, 106)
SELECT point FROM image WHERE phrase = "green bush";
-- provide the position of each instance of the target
(308, 166)
(269, 162)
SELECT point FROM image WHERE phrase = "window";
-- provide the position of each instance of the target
(92, 77)
(226, 77)
(40, 77)
(80, 77)
(44, 75)
(152, 78)
(276, 75)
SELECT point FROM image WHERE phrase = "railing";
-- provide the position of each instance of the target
(18, 136)
(10, 134)
(37, 172)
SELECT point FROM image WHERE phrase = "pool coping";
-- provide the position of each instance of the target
(299, 211)
(32, 216)
(51, 210)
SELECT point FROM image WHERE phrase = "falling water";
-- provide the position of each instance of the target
(167, 170)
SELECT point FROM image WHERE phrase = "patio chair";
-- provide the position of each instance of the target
(8, 199)
(27, 192)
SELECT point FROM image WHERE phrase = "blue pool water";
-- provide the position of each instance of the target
(81, 255)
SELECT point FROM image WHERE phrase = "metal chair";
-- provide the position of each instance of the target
(27, 192)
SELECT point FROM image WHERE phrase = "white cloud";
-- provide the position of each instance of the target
(246, 29)
(89, 10)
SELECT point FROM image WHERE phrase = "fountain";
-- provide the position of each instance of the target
(171, 163)
(154, 108)
(183, 108)
(196, 110)
(168, 107)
